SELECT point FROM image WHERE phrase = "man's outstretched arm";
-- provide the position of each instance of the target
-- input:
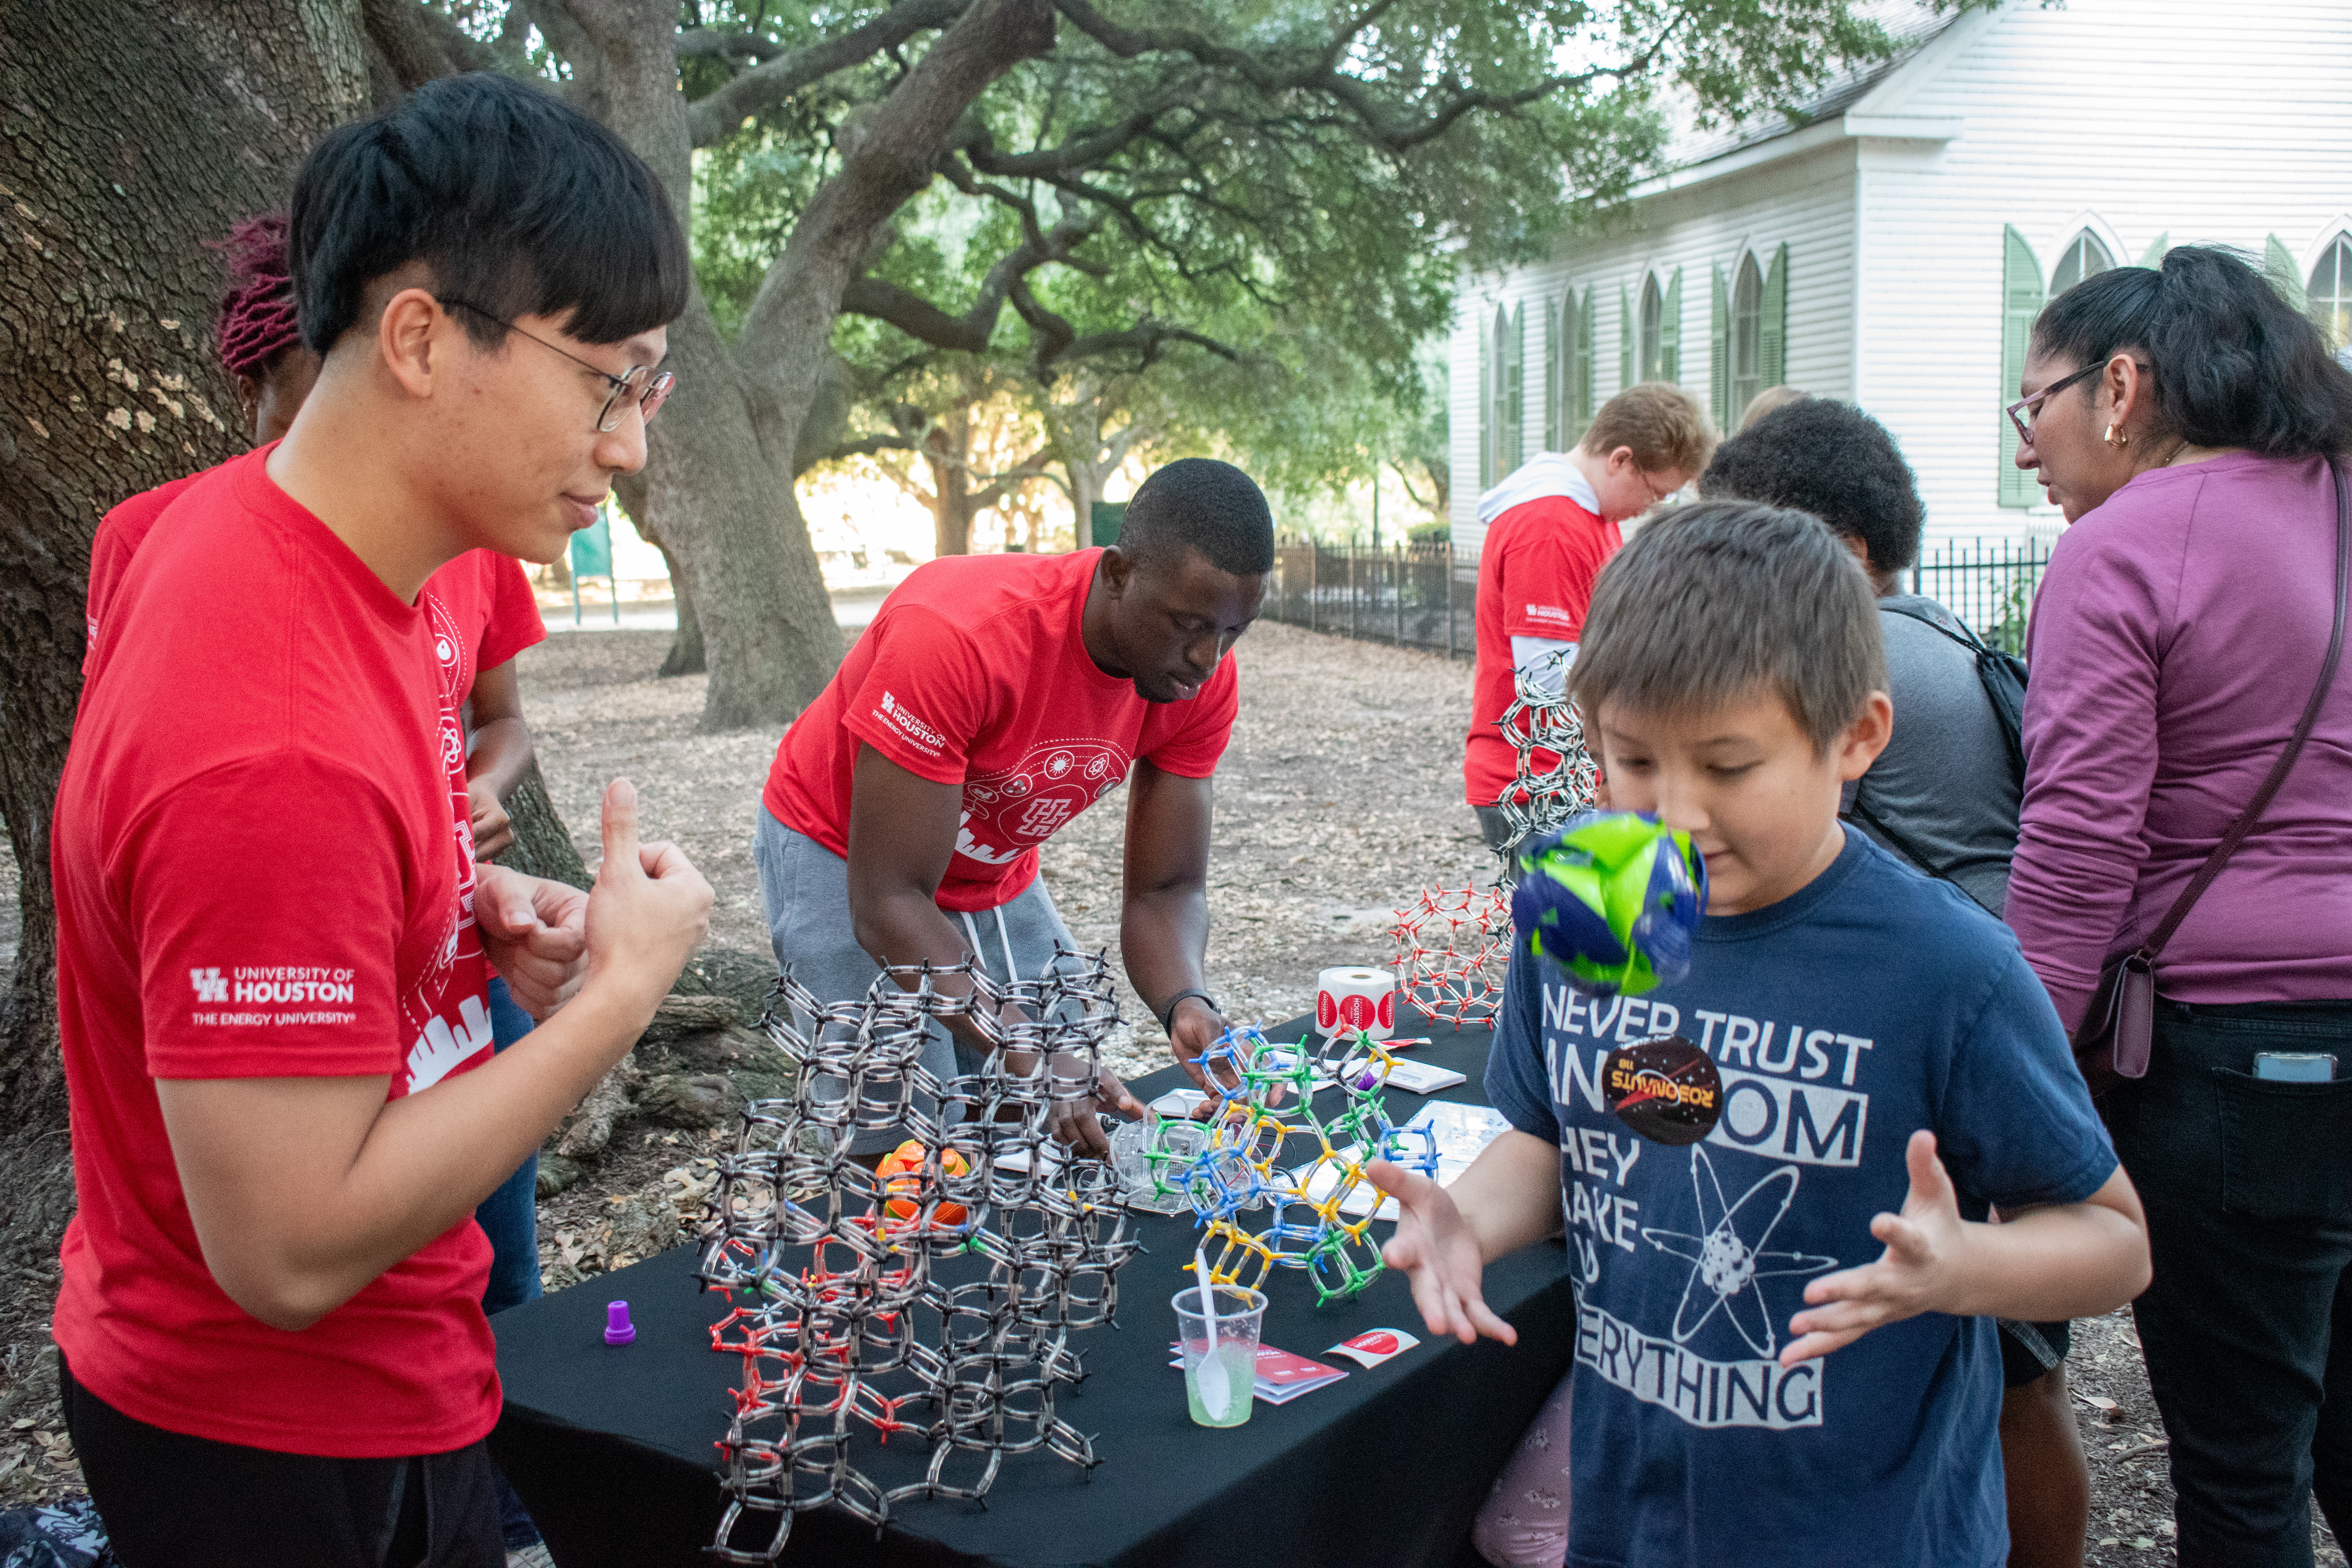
(902, 834)
(1164, 927)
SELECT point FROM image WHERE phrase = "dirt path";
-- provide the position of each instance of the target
(1338, 799)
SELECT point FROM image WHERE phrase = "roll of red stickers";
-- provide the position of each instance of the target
(1351, 1000)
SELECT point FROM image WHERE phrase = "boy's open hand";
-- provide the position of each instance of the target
(648, 911)
(1435, 1247)
(1915, 1274)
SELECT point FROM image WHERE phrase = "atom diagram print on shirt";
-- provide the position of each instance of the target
(1705, 1274)
(1728, 1259)
(1013, 810)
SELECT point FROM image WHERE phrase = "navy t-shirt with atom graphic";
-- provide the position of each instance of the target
(1871, 1003)
(975, 673)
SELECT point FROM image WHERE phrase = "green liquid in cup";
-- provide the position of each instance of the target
(1240, 1362)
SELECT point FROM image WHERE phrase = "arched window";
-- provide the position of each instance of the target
(2329, 297)
(1747, 336)
(1654, 317)
(2084, 257)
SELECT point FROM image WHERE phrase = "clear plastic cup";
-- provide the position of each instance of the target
(1241, 1315)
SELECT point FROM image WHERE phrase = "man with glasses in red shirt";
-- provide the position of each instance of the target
(270, 980)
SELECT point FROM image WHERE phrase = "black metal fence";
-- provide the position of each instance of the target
(1421, 595)
(1413, 595)
(1989, 584)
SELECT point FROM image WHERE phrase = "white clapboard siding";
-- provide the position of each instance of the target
(2137, 118)
(1805, 203)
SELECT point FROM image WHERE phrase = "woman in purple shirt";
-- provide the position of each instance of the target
(2184, 420)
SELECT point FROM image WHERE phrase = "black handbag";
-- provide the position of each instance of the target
(2119, 1030)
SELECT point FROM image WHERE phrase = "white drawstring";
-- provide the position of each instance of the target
(1005, 941)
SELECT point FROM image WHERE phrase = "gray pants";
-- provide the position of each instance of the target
(807, 889)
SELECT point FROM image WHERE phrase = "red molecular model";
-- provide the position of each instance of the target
(1453, 946)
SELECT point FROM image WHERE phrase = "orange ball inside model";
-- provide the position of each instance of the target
(901, 1171)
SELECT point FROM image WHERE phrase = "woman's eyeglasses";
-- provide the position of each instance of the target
(2021, 411)
(647, 388)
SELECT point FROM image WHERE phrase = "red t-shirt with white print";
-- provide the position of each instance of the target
(482, 613)
(975, 672)
(1536, 571)
(256, 876)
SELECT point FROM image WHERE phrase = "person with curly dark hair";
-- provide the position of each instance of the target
(1944, 796)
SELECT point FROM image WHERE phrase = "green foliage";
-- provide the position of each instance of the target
(1243, 220)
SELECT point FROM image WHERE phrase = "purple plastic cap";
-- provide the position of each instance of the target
(618, 1330)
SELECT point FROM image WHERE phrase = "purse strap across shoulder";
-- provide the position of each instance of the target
(2245, 821)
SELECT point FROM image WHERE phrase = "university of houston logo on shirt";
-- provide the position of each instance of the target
(1008, 813)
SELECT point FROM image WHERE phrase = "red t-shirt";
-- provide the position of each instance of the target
(255, 877)
(120, 532)
(975, 673)
(1536, 573)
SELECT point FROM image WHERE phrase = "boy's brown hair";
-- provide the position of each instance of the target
(1711, 601)
(1667, 430)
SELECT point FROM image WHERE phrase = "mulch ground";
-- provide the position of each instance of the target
(1339, 800)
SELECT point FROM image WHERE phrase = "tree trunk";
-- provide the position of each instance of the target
(720, 494)
(1083, 491)
(542, 845)
(133, 131)
(719, 477)
(945, 451)
(686, 653)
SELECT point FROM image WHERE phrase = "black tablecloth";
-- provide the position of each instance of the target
(614, 1449)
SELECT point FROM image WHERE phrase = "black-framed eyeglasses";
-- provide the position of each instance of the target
(2021, 411)
(643, 384)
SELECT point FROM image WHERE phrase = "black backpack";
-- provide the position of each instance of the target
(2001, 675)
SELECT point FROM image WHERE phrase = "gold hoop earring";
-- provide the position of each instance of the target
(2116, 436)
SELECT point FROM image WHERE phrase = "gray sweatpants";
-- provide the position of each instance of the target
(807, 889)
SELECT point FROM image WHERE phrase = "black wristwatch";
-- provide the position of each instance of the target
(1167, 1013)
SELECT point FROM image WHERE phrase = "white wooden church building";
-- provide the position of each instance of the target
(1893, 250)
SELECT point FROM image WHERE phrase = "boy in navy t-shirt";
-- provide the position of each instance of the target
(1785, 1343)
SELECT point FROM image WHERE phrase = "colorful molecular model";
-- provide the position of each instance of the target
(1322, 1211)
(937, 1301)
(1612, 898)
(1453, 946)
(1541, 718)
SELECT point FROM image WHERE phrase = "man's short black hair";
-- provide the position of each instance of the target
(1202, 504)
(1834, 461)
(518, 204)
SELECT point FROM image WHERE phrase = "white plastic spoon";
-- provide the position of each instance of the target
(1209, 1375)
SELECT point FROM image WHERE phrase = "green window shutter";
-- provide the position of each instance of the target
(1625, 330)
(2285, 275)
(1516, 395)
(1772, 334)
(1551, 375)
(1586, 371)
(1718, 353)
(1485, 410)
(2154, 255)
(2020, 301)
(1670, 332)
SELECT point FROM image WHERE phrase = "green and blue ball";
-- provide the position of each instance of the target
(1613, 899)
